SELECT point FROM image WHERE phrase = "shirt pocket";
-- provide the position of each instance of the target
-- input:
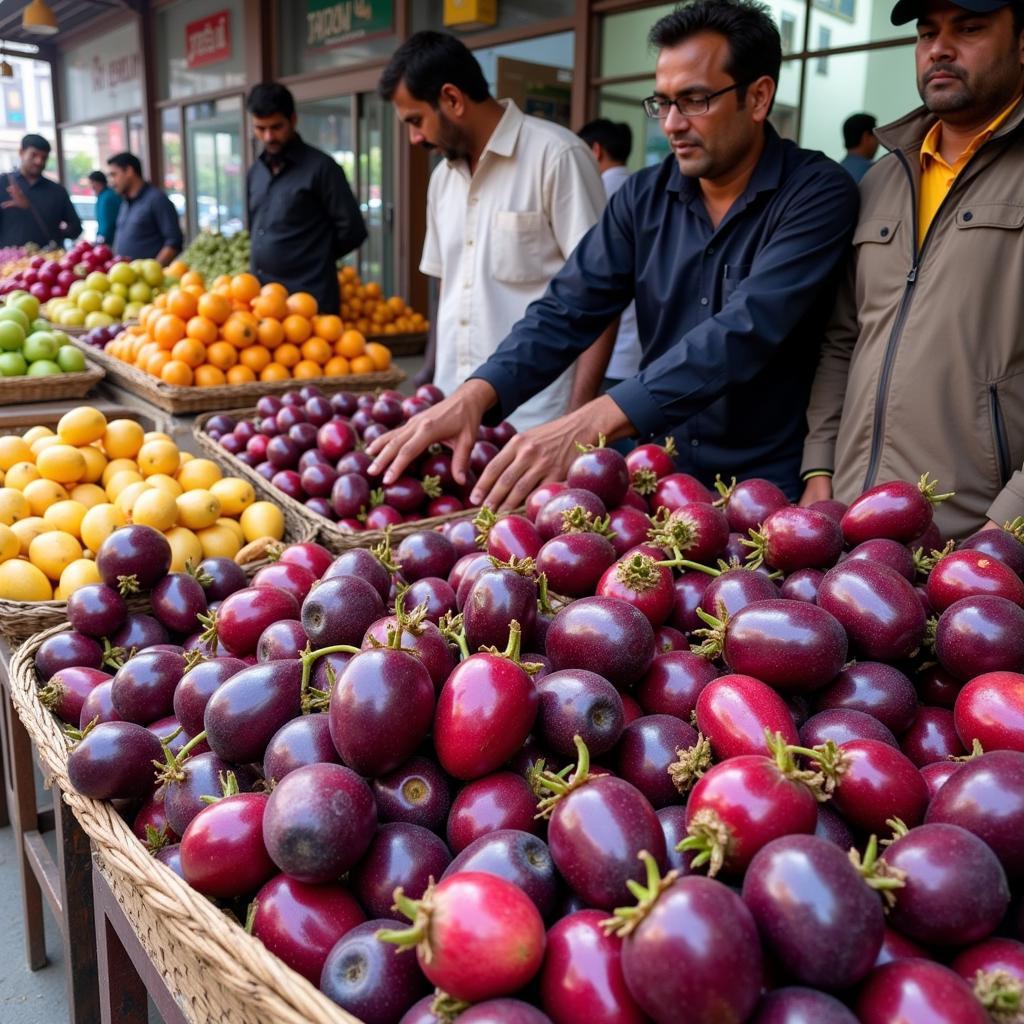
(522, 248)
(733, 274)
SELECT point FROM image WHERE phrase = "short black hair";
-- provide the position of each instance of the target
(617, 139)
(755, 47)
(35, 142)
(1017, 7)
(428, 61)
(99, 177)
(855, 126)
(124, 161)
(270, 98)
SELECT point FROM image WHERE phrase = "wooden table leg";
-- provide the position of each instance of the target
(6, 784)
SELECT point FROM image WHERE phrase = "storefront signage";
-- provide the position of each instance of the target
(333, 22)
(104, 75)
(208, 40)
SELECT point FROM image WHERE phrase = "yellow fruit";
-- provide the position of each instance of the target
(163, 482)
(13, 450)
(262, 519)
(198, 509)
(153, 507)
(22, 581)
(41, 494)
(42, 443)
(99, 523)
(53, 552)
(78, 574)
(115, 466)
(95, 463)
(82, 426)
(34, 433)
(119, 481)
(186, 457)
(90, 495)
(155, 435)
(234, 494)
(26, 530)
(66, 516)
(158, 456)
(13, 506)
(61, 463)
(123, 439)
(20, 474)
(10, 546)
(219, 541)
(234, 526)
(199, 473)
(185, 548)
(125, 501)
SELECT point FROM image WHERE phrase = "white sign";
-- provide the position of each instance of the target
(103, 76)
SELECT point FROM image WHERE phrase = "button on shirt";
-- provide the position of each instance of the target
(40, 225)
(145, 224)
(730, 319)
(497, 237)
(302, 220)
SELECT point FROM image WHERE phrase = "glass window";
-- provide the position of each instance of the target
(824, 42)
(536, 74)
(328, 125)
(855, 21)
(173, 166)
(317, 34)
(137, 140)
(86, 148)
(103, 75)
(787, 100)
(511, 14)
(199, 47)
(620, 102)
(624, 49)
(216, 170)
(375, 190)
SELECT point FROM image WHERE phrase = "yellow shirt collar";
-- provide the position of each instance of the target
(930, 146)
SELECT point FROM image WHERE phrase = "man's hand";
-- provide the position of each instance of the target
(818, 488)
(18, 197)
(453, 422)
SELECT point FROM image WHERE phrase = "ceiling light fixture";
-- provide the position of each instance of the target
(38, 19)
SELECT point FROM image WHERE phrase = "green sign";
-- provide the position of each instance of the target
(331, 22)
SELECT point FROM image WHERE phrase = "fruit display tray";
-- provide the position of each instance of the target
(402, 344)
(177, 400)
(213, 969)
(15, 390)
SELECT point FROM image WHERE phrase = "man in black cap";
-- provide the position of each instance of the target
(33, 208)
(923, 364)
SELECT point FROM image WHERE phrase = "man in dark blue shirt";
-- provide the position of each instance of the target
(34, 209)
(303, 217)
(147, 223)
(731, 249)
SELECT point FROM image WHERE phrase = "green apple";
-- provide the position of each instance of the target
(40, 345)
(140, 292)
(90, 300)
(39, 324)
(28, 304)
(76, 289)
(71, 317)
(122, 273)
(119, 289)
(98, 319)
(152, 273)
(15, 314)
(12, 364)
(12, 337)
(97, 280)
(113, 305)
(132, 310)
(44, 368)
(70, 359)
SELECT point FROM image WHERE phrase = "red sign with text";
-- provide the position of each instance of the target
(208, 40)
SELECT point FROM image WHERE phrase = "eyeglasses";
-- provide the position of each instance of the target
(689, 106)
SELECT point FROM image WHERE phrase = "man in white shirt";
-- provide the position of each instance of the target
(506, 207)
(611, 144)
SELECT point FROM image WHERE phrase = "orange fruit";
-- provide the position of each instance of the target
(297, 328)
(222, 355)
(156, 362)
(316, 350)
(191, 277)
(160, 302)
(245, 287)
(379, 354)
(214, 307)
(350, 345)
(181, 303)
(274, 288)
(287, 355)
(190, 352)
(337, 366)
(306, 369)
(270, 332)
(168, 330)
(177, 371)
(328, 327)
(302, 303)
(202, 328)
(240, 375)
(255, 357)
(270, 304)
(371, 290)
(363, 364)
(239, 331)
(208, 376)
(274, 371)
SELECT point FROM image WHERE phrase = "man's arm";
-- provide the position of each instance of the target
(592, 366)
(342, 211)
(69, 217)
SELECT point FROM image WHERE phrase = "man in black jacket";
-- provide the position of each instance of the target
(302, 215)
(33, 208)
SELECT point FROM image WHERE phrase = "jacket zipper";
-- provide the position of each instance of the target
(999, 434)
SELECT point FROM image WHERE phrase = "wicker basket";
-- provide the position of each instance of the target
(175, 399)
(330, 534)
(16, 390)
(402, 344)
(213, 969)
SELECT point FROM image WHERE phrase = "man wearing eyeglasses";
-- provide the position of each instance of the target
(730, 248)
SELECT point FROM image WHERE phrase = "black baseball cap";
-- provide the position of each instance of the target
(910, 10)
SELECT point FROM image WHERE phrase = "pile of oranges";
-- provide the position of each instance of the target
(364, 308)
(64, 492)
(237, 332)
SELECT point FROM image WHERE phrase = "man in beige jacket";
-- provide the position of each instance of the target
(922, 369)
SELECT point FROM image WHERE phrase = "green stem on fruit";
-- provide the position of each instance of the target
(976, 751)
(644, 481)
(446, 1008)
(690, 764)
(513, 648)
(208, 637)
(193, 658)
(76, 735)
(170, 769)
(831, 761)
(724, 490)
(879, 875)
(670, 447)
(198, 573)
(128, 585)
(417, 935)
(228, 787)
(525, 567)
(710, 838)
(927, 488)
(578, 520)
(156, 839)
(1015, 528)
(602, 442)
(758, 544)
(638, 573)
(713, 636)
(453, 630)
(484, 521)
(923, 564)
(1001, 994)
(431, 486)
(899, 829)
(625, 919)
(114, 657)
(308, 658)
(784, 757)
(250, 916)
(561, 784)
(382, 551)
(376, 497)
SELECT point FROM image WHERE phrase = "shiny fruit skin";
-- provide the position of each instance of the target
(990, 708)
(917, 992)
(734, 711)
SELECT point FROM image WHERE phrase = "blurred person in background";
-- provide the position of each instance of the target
(108, 203)
(36, 210)
(147, 223)
(861, 144)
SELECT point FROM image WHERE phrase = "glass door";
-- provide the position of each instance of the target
(376, 189)
(216, 168)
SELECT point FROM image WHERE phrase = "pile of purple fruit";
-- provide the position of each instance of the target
(742, 761)
(312, 448)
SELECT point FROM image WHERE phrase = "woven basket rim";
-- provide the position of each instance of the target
(242, 963)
